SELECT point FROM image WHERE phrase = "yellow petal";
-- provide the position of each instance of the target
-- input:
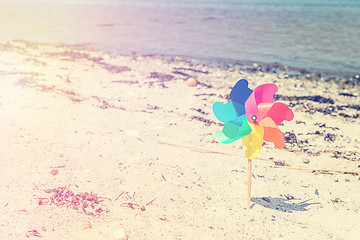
(253, 141)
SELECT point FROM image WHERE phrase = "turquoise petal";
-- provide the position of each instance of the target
(238, 122)
(224, 112)
(221, 138)
(236, 132)
(232, 133)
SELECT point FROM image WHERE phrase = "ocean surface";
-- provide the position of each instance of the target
(319, 35)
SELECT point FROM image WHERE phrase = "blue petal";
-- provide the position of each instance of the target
(239, 94)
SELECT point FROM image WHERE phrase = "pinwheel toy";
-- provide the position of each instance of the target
(254, 117)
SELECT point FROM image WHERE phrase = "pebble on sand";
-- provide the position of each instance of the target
(191, 82)
(306, 161)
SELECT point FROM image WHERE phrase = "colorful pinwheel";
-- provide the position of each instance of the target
(252, 116)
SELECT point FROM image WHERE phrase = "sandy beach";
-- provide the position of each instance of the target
(96, 145)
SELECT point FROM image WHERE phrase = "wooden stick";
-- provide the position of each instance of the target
(262, 159)
(249, 184)
(210, 151)
(318, 169)
(199, 149)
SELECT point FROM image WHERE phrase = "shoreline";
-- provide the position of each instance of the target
(258, 66)
(236, 64)
(92, 124)
(252, 66)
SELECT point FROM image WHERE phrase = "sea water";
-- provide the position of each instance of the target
(316, 35)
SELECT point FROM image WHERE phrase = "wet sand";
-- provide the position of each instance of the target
(94, 142)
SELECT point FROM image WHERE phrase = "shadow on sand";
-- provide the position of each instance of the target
(282, 204)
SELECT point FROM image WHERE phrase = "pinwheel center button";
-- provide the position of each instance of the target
(253, 117)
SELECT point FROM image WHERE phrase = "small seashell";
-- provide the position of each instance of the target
(133, 133)
(86, 225)
(120, 234)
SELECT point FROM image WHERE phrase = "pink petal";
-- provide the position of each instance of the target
(265, 93)
(280, 112)
(267, 122)
(251, 108)
(262, 94)
(263, 109)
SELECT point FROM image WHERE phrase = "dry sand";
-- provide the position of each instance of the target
(86, 125)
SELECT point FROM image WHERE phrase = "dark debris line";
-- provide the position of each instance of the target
(333, 109)
(315, 98)
(302, 146)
